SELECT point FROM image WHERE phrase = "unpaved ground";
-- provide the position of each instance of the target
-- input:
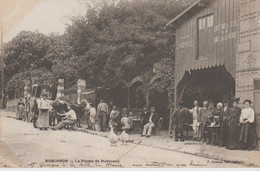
(23, 146)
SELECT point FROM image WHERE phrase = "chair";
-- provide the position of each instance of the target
(71, 126)
(158, 126)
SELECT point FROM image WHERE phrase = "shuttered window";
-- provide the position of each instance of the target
(205, 36)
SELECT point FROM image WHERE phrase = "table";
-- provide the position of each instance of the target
(214, 133)
(137, 125)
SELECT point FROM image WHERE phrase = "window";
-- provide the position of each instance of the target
(205, 37)
(205, 22)
(210, 21)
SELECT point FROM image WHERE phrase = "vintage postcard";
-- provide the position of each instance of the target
(130, 83)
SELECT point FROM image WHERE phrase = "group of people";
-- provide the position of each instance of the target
(106, 116)
(33, 111)
(235, 126)
(24, 110)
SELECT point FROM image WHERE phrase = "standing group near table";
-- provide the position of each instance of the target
(224, 125)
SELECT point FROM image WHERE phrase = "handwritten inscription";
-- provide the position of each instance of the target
(184, 42)
(83, 163)
(225, 31)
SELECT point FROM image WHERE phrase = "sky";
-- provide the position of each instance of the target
(46, 16)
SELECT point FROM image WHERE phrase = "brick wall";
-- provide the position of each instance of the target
(248, 51)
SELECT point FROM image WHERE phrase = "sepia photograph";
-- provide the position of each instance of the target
(129, 84)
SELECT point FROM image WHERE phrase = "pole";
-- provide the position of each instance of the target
(128, 97)
(2, 66)
(147, 97)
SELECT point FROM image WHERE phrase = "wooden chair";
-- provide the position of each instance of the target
(72, 126)
(158, 126)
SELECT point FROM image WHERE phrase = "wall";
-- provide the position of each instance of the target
(224, 42)
(248, 52)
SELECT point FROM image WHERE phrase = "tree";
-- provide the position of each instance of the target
(25, 49)
(16, 82)
(123, 40)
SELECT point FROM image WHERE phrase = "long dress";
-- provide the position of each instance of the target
(20, 110)
(224, 127)
(43, 119)
(92, 115)
(234, 128)
(248, 137)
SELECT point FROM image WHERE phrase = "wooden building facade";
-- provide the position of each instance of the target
(220, 37)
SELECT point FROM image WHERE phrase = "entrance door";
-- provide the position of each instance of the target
(257, 105)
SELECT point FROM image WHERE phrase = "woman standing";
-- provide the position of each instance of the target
(234, 129)
(43, 119)
(224, 125)
(20, 109)
(248, 135)
(92, 116)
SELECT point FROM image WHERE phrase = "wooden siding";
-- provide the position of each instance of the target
(225, 28)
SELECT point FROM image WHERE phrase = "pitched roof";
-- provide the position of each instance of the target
(183, 12)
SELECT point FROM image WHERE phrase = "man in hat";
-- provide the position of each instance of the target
(195, 125)
(102, 112)
(180, 121)
(151, 119)
(144, 116)
(202, 119)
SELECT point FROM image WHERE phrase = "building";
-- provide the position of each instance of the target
(218, 52)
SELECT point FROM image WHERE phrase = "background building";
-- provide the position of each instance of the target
(218, 52)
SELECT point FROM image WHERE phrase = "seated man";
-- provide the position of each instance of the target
(70, 118)
(151, 120)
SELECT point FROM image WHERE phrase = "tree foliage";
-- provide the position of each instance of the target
(113, 41)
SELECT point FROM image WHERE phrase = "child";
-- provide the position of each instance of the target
(92, 115)
(114, 118)
(125, 120)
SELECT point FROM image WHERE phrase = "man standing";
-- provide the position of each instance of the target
(27, 109)
(202, 119)
(152, 119)
(102, 110)
(180, 120)
(195, 125)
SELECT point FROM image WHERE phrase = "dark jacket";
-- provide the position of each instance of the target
(154, 118)
(202, 116)
(225, 116)
(180, 117)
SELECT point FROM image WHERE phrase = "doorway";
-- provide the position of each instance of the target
(214, 83)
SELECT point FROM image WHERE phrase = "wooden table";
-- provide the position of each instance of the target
(214, 133)
(137, 125)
